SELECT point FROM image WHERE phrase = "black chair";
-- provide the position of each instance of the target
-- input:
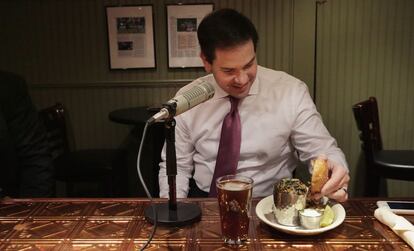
(380, 164)
(100, 166)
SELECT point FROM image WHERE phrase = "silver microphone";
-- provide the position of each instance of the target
(199, 93)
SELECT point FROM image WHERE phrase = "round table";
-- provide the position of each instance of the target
(132, 115)
(151, 152)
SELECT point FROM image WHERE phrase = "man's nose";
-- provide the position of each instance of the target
(242, 78)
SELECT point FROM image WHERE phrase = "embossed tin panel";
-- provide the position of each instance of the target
(119, 224)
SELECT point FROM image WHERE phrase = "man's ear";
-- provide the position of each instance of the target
(207, 65)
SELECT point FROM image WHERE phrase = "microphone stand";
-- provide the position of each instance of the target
(173, 213)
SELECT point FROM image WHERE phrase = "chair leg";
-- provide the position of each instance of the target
(60, 189)
(383, 188)
(372, 184)
(108, 186)
(375, 186)
(70, 189)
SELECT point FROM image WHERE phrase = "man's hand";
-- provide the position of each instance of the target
(336, 187)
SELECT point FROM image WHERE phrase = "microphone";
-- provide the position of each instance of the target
(199, 93)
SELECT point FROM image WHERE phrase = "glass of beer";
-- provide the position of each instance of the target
(234, 194)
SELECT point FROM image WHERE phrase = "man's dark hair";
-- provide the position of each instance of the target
(224, 28)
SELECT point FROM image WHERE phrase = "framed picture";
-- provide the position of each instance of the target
(131, 37)
(182, 24)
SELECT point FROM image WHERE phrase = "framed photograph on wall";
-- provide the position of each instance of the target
(131, 37)
(182, 24)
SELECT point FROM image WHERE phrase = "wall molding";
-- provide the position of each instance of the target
(113, 84)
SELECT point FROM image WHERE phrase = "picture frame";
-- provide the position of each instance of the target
(131, 37)
(182, 24)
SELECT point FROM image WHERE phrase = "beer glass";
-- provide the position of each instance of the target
(234, 194)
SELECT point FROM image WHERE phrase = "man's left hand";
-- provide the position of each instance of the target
(336, 187)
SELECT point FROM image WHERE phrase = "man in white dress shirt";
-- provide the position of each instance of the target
(280, 123)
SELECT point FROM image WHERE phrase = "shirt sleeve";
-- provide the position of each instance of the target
(309, 136)
(185, 165)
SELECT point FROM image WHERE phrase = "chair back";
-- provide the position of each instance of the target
(367, 119)
(54, 120)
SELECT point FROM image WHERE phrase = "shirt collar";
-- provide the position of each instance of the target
(220, 93)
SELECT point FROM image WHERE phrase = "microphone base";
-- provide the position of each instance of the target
(185, 214)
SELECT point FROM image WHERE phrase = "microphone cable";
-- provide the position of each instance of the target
(154, 228)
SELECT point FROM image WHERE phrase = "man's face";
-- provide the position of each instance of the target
(234, 69)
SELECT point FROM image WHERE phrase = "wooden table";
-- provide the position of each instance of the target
(118, 224)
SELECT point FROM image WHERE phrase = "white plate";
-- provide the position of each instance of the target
(265, 214)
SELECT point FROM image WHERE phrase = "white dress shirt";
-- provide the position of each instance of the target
(278, 117)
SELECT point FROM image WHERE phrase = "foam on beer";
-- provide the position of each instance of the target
(234, 185)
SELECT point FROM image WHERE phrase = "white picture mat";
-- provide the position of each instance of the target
(182, 24)
(133, 45)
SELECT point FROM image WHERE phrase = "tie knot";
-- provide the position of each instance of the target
(234, 103)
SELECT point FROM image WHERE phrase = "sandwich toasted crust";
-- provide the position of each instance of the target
(319, 175)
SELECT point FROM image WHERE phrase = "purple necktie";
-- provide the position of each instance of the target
(229, 148)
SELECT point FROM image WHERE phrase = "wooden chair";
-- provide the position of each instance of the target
(380, 163)
(101, 166)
